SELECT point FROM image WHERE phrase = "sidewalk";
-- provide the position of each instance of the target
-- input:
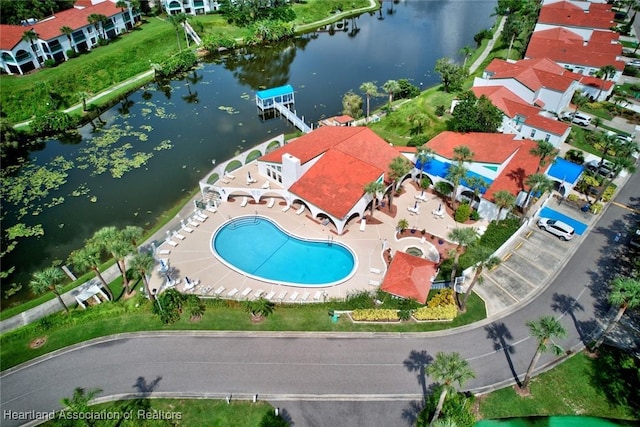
(478, 62)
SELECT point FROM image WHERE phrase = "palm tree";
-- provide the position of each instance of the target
(88, 258)
(30, 37)
(391, 87)
(545, 329)
(605, 73)
(402, 225)
(370, 89)
(544, 150)
(538, 183)
(579, 100)
(49, 279)
(132, 234)
(83, 97)
(504, 200)
(455, 174)
(625, 293)
(486, 259)
(373, 189)
(68, 31)
(260, 309)
(461, 154)
(80, 402)
(112, 241)
(142, 263)
(424, 155)
(466, 52)
(448, 369)
(621, 161)
(398, 168)
(176, 21)
(477, 184)
(97, 20)
(464, 236)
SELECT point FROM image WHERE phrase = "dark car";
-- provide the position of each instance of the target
(605, 169)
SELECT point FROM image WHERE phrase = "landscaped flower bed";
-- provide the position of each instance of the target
(446, 312)
(375, 315)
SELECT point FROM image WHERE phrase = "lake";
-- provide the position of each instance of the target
(162, 139)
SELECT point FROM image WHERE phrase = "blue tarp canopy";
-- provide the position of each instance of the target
(564, 170)
(437, 168)
(275, 91)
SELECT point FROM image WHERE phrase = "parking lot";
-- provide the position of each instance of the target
(529, 262)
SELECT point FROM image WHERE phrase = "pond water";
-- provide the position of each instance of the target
(162, 139)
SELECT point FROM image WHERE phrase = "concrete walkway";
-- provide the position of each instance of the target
(478, 62)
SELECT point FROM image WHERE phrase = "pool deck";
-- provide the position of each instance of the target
(193, 257)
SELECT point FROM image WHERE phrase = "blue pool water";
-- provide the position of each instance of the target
(437, 168)
(257, 247)
(564, 170)
(580, 227)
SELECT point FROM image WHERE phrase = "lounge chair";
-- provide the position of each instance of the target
(421, 197)
(374, 283)
(282, 295)
(199, 218)
(246, 292)
(300, 210)
(413, 210)
(317, 296)
(232, 292)
(294, 296)
(164, 251)
(438, 213)
(363, 224)
(272, 202)
(304, 296)
(229, 176)
(189, 285)
(258, 293)
(172, 243)
(179, 236)
(244, 202)
(212, 209)
(187, 229)
(193, 223)
(286, 208)
(270, 295)
(219, 290)
(202, 215)
(266, 185)
(225, 181)
(375, 270)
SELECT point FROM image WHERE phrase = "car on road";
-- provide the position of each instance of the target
(557, 228)
(605, 169)
(634, 63)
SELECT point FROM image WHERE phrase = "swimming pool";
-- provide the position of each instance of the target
(257, 247)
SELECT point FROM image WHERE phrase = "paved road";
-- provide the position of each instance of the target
(329, 379)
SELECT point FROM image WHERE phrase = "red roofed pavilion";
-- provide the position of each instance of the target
(409, 277)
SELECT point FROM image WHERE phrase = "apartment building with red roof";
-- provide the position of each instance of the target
(18, 56)
(578, 14)
(503, 160)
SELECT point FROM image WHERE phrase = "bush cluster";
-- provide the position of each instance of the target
(375, 315)
(463, 213)
(448, 312)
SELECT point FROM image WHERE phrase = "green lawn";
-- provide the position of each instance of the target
(572, 388)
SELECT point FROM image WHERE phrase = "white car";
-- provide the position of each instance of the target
(557, 228)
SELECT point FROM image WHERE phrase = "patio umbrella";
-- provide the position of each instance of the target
(440, 207)
(249, 175)
(415, 206)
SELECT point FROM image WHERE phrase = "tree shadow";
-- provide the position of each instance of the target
(500, 334)
(145, 388)
(518, 176)
(416, 362)
(566, 304)
(412, 411)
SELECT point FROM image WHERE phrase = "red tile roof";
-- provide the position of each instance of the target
(500, 146)
(49, 28)
(512, 105)
(592, 81)
(487, 147)
(409, 276)
(566, 13)
(335, 182)
(533, 73)
(351, 158)
(519, 168)
(567, 47)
